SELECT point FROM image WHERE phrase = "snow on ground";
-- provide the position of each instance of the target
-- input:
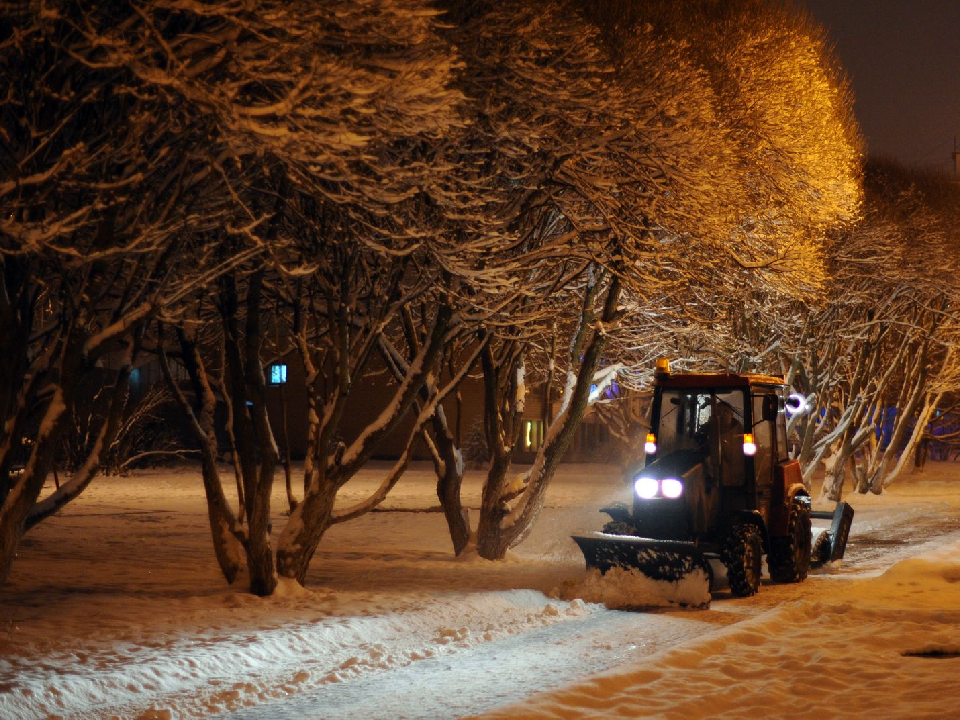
(116, 608)
(887, 647)
(630, 589)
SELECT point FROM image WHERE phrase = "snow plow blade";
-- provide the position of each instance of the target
(832, 544)
(657, 559)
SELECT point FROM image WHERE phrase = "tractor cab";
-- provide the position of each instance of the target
(717, 483)
(721, 438)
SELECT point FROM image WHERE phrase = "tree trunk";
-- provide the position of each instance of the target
(226, 547)
(26, 489)
(501, 528)
(260, 558)
(303, 532)
(255, 443)
(920, 453)
(448, 492)
(492, 542)
(448, 465)
(285, 432)
(834, 477)
(502, 409)
(223, 526)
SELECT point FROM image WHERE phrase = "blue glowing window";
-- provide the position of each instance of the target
(278, 374)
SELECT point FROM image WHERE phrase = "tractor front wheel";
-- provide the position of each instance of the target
(742, 554)
(790, 555)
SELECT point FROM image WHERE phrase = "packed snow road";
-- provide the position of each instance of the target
(482, 677)
(485, 676)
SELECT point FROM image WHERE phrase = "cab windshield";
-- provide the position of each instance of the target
(689, 416)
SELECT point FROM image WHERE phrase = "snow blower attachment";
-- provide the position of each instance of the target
(717, 487)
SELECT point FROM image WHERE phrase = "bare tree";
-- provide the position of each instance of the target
(874, 353)
(588, 141)
(340, 200)
(101, 207)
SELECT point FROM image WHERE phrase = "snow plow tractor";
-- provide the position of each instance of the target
(717, 487)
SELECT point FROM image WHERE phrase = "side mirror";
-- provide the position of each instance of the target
(771, 407)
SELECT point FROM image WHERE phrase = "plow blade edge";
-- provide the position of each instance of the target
(657, 559)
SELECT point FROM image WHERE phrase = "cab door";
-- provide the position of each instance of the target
(764, 414)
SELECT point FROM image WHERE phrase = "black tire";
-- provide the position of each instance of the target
(742, 554)
(789, 558)
(820, 552)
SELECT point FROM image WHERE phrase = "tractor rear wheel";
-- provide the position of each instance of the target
(742, 554)
(789, 558)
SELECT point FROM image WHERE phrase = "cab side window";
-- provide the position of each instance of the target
(763, 432)
(783, 454)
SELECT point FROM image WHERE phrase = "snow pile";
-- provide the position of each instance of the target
(631, 589)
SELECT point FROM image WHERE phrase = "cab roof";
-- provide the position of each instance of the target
(717, 380)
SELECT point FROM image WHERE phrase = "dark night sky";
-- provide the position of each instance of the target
(903, 58)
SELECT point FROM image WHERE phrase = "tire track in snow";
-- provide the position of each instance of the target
(485, 676)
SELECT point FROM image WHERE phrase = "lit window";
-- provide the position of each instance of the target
(278, 374)
(532, 435)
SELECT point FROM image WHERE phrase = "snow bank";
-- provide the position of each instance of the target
(201, 674)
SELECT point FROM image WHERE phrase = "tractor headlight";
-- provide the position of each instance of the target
(646, 487)
(649, 488)
(650, 446)
(749, 446)
(671, 488)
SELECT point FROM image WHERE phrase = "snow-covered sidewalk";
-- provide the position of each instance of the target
(116, 608)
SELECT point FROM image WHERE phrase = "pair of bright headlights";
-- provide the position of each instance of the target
(648, 488)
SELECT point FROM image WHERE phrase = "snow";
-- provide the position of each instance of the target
(877, 648)
(115, 608)
(620, 588)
